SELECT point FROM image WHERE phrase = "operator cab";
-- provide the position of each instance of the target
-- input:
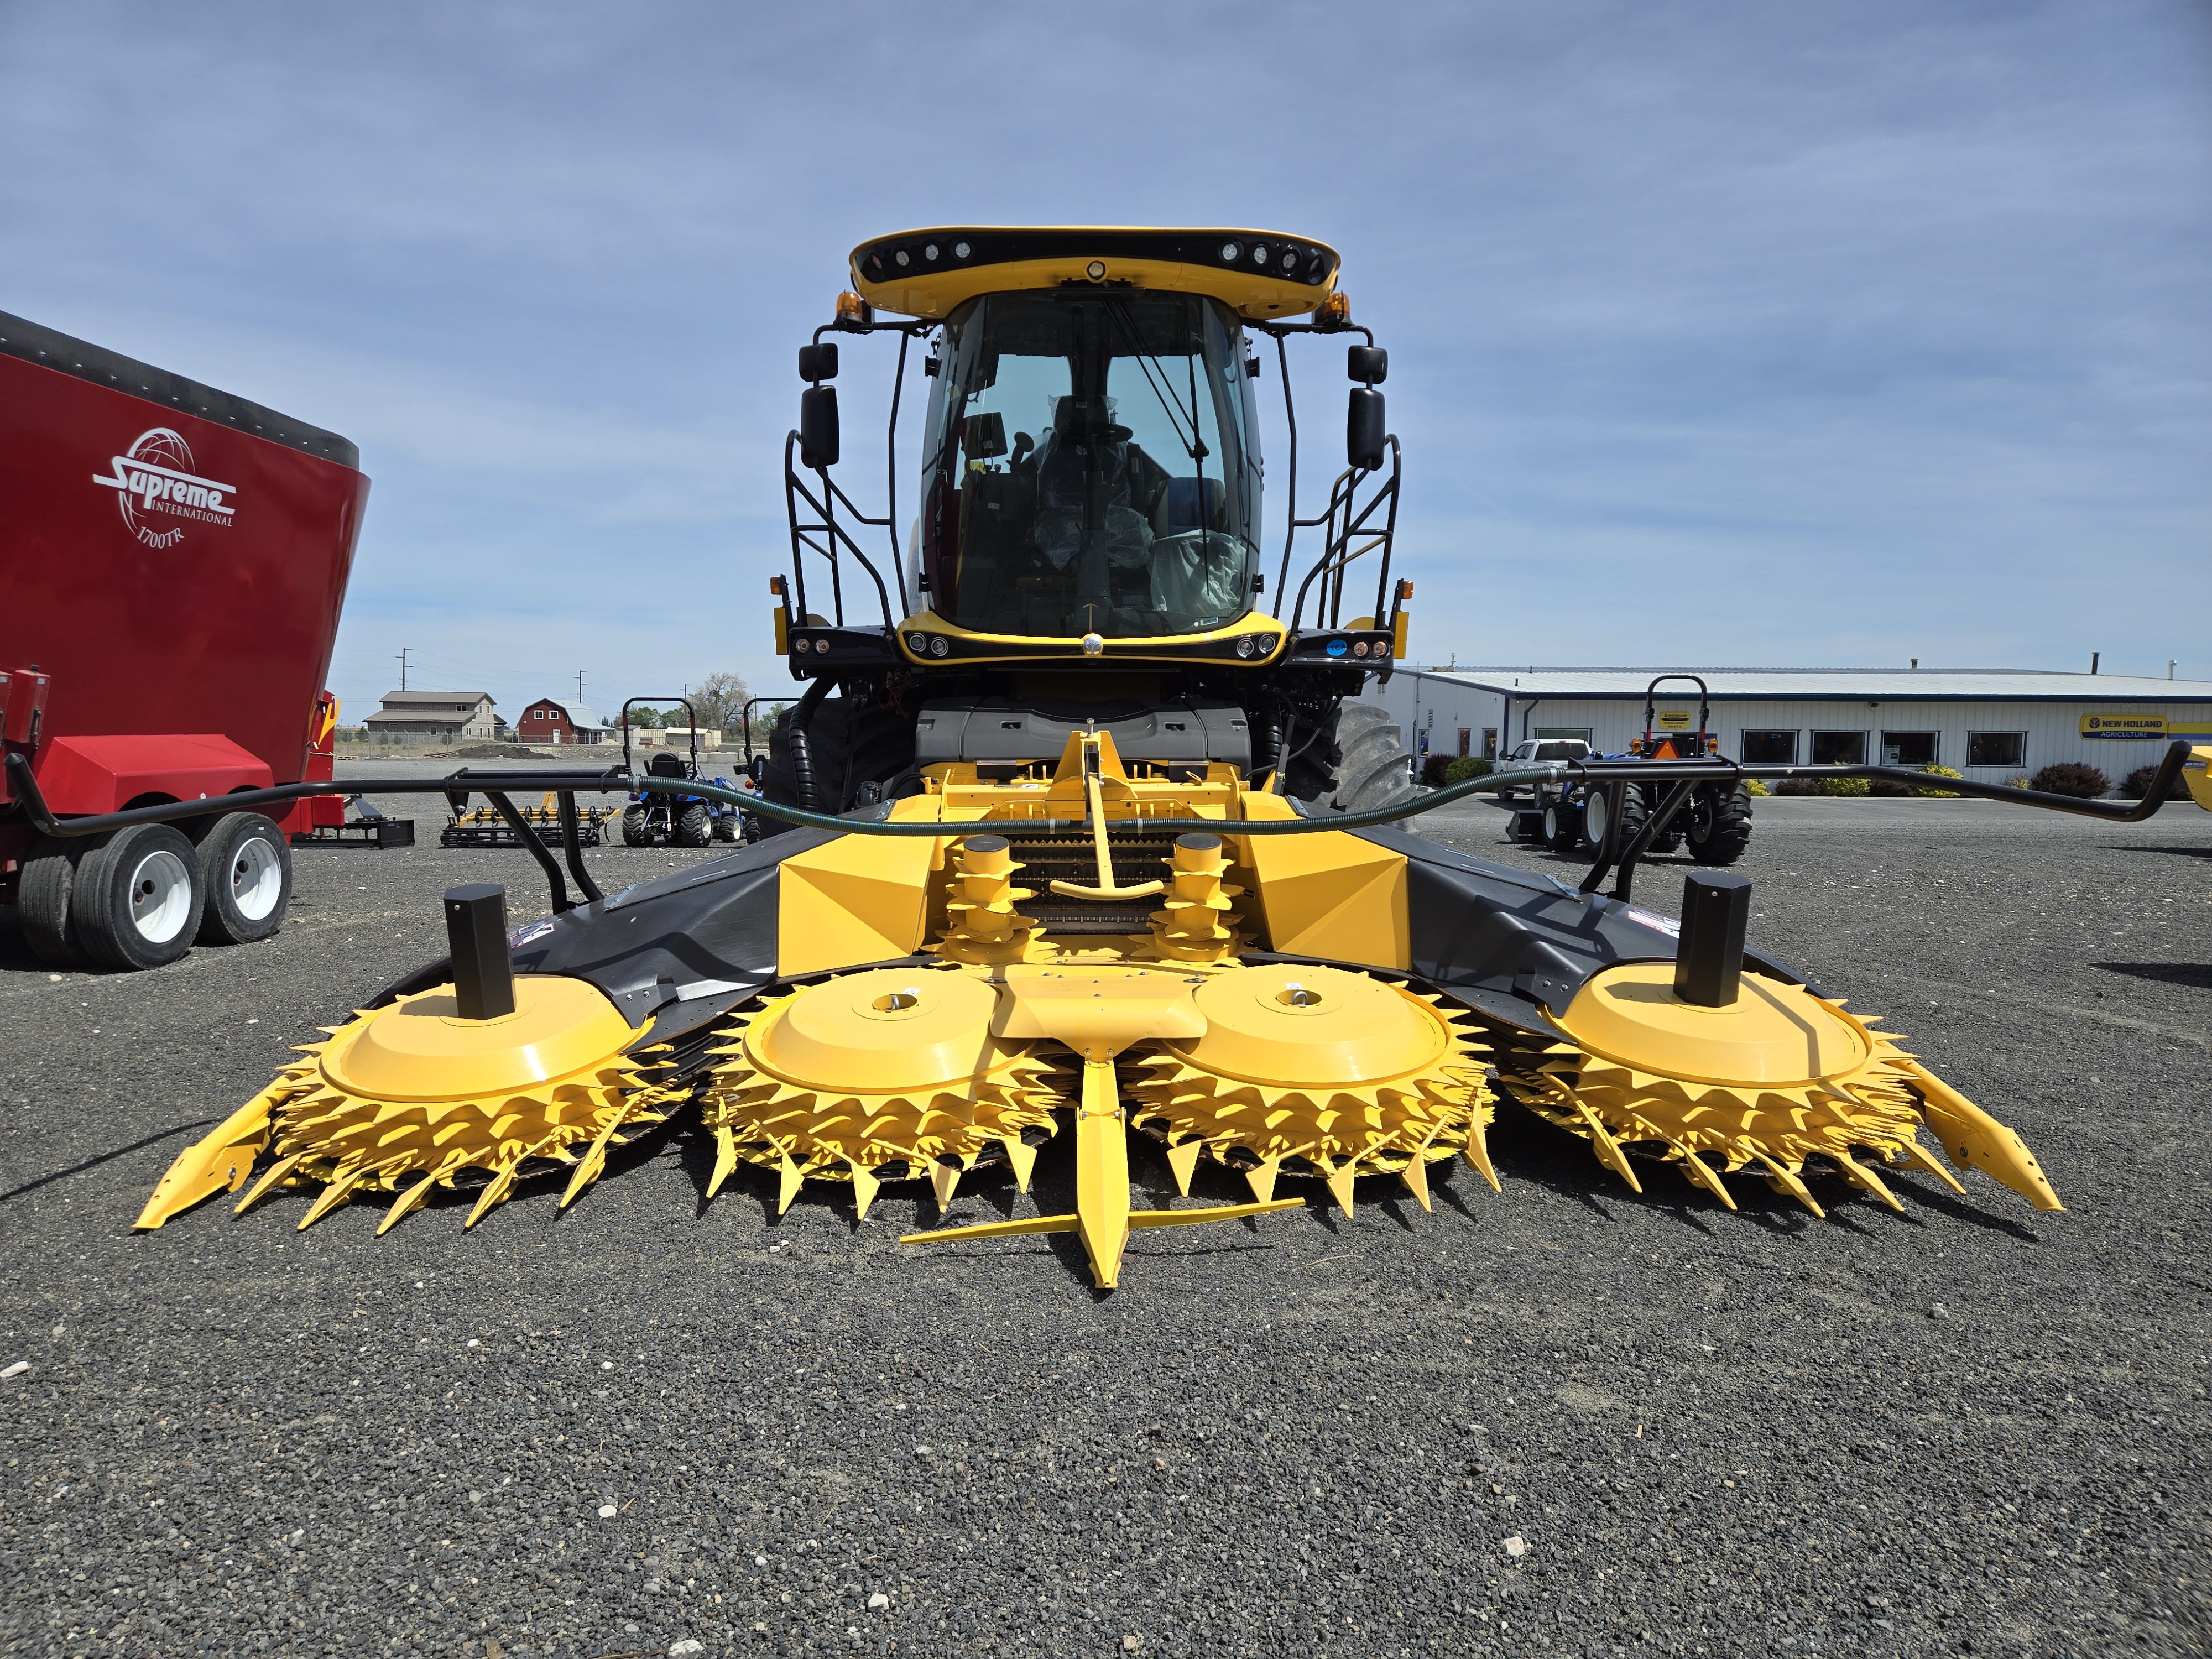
(1089, 466)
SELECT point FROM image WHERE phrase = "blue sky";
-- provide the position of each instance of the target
(1812, 334)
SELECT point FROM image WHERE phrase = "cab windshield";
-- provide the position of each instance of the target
(1087, 468)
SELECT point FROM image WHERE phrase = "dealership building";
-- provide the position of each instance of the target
(1989, 724)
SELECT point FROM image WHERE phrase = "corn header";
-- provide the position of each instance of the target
(1077, 835)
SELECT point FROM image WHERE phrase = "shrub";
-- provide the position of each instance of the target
(2071, 778)
(1887, 786)
(1843, 786)
(2016, 783)
(1934, 771)
(1757, 787)
(1797, 787)
(1433, 768)
(2137, 784)
(1466, 767)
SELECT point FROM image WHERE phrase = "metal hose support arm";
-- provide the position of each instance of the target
(33, 806)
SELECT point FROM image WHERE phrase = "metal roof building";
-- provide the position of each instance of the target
(1992, 724)
(451, 715)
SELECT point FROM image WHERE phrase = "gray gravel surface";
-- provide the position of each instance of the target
(1968, 1429)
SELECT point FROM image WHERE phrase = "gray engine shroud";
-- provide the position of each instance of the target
(1013, 729)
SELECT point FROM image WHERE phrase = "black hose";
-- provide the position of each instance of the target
(802, 763)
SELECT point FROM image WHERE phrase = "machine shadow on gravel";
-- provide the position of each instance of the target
(2195, 974)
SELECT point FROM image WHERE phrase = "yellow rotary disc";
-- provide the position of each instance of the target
(411, 1095)
(1777, 1076)
(1316, 1071)
(891, 1073)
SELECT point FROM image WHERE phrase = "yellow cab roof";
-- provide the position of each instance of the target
(1259, 274)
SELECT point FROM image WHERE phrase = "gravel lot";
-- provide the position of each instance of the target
(649, 1423)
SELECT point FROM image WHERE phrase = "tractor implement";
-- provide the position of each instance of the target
(1068, 837)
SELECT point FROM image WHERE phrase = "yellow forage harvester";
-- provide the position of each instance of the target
(1102, 829)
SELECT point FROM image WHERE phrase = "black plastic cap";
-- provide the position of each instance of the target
(1709, 960)
(476, 932)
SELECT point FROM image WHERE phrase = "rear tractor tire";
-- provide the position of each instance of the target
(1720, 826)
(633, 830)
(1598, 812)
(692, 828)
(137, 899)
(246, 873)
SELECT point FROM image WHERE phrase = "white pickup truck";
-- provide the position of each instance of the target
(1534, 751)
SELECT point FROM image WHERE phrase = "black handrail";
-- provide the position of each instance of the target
(802, 540)
(1337, 556)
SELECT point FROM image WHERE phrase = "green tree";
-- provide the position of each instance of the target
(719, 699)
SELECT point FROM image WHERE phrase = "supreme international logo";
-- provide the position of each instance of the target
(154, 477)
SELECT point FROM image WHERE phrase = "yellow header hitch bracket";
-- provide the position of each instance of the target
(1094, 752)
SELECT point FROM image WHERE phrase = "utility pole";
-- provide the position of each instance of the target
(580, 685)
(403, 666)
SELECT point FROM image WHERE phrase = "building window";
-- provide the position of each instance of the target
(1768, 747)
(1490, 743)
(1466, 740)
(1908, 749)
(1839, 747)
(1996, 748)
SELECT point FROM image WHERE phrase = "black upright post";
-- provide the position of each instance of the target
(476, 932)
(1709, 960)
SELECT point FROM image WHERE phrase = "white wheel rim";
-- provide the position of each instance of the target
(257, 878)
(160, 896)
(1551, 822)
(1593, 819)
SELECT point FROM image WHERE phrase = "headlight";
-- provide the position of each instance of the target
(1230, 253)
(1359, 649)
(917, 643)
(822, 645)
(939, 646)
(1248, 645)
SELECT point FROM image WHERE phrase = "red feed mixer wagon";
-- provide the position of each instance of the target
(173, 562)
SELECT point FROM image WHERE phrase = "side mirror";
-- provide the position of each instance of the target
(1367, 363)
(817, 426)
(1364, 428)
(818, 363)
